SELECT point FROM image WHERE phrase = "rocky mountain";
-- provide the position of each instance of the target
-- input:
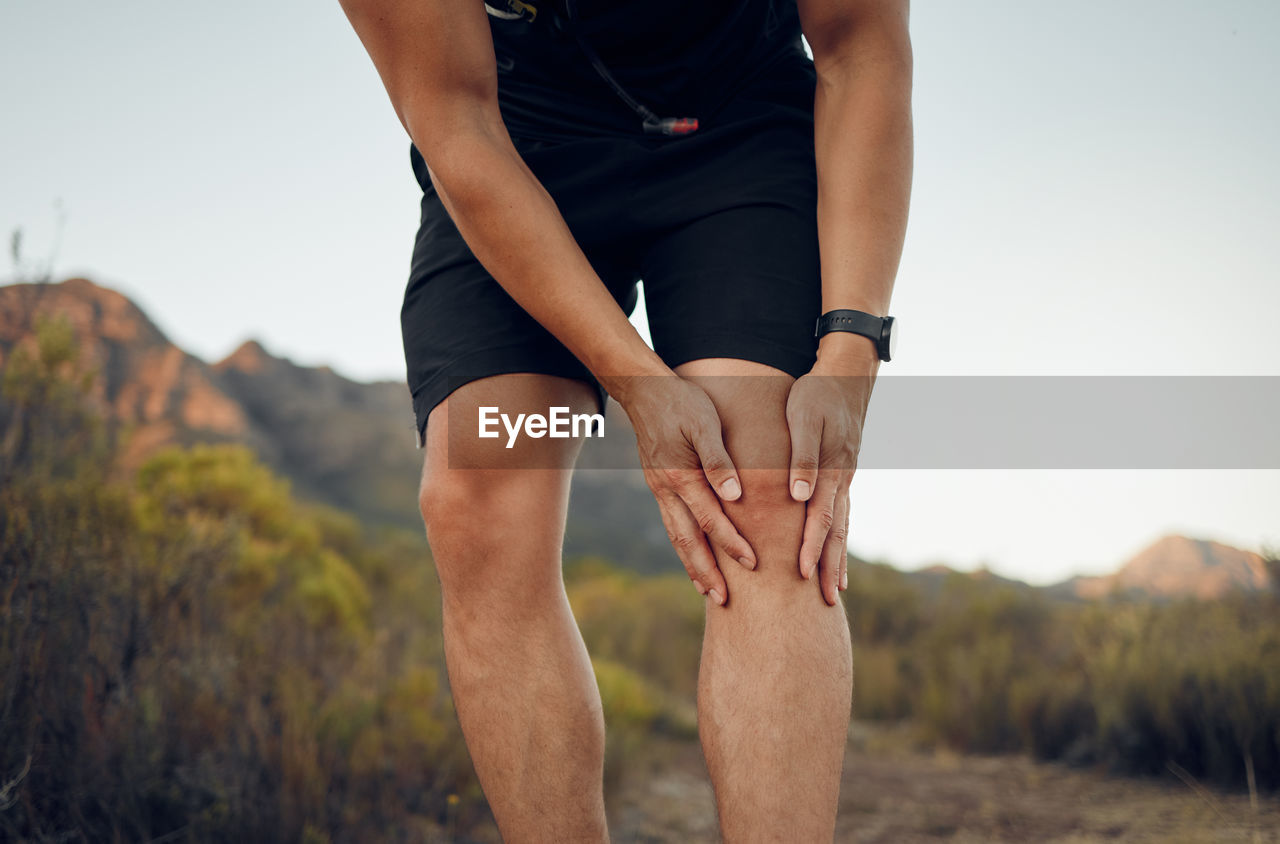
(346, 443)
(1176, 566)
(338, 441)
(142, 380)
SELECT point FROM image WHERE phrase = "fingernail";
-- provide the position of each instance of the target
(730, 490)
(844, 580)
(748, 562)
(716, 596)
(799, 490)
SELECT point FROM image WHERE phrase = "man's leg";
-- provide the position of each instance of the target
(776, 680)
(522, 682)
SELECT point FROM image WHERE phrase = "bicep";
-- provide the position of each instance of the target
(832, 27)
(435, 58)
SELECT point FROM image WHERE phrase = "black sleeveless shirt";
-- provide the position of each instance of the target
(678, 58)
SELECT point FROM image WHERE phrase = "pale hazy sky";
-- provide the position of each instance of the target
(1097, 192)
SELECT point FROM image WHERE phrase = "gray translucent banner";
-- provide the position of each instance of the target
(946, 422)
(1073, 422)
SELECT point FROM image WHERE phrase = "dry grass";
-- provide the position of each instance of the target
(894, 792)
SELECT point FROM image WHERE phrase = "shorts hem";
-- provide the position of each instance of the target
(738, 346)
(484, 363)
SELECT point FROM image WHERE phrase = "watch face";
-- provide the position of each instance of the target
(893, 339)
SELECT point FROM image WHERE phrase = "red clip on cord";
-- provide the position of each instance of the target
(672, 125)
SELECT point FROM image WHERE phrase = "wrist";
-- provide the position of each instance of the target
(841, 352)
(624, 378)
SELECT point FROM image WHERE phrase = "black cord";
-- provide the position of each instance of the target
(653, 124)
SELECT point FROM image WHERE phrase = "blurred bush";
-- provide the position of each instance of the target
(192, 652)
(988, 667)
(645, 639)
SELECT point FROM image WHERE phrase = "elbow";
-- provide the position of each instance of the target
(456, 143)
(453, 167)
(888, 74)
(462, 163)
(859, 50)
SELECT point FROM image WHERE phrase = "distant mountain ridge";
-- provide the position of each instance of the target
(144, 380)
(1176, 566)
(337, 440)
(353, 445)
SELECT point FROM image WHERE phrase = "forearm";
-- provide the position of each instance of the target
(863, 145)
(516, 231)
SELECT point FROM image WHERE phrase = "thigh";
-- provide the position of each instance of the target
(454, 445)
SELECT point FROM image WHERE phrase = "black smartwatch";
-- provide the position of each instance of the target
(883, 331)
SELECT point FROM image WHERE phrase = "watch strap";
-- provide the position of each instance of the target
(882, 331)
(855, 322)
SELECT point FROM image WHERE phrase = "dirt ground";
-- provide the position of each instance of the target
(893, 794)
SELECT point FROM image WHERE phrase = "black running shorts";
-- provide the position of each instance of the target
(720, 225)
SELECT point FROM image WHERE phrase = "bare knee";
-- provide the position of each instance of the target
(775, 591)
(450, 502)
(771, 521)
(494, 515)
(495, 533)
(751, 400)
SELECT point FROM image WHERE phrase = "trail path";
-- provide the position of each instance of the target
(901, 796)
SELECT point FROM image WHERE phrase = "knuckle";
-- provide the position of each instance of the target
(825, 519)
(657, 481)
(844, 459)
(683, 542)
(667, 499)
(715, 465)
(679, 480)
(806, 462)
(707, 521)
